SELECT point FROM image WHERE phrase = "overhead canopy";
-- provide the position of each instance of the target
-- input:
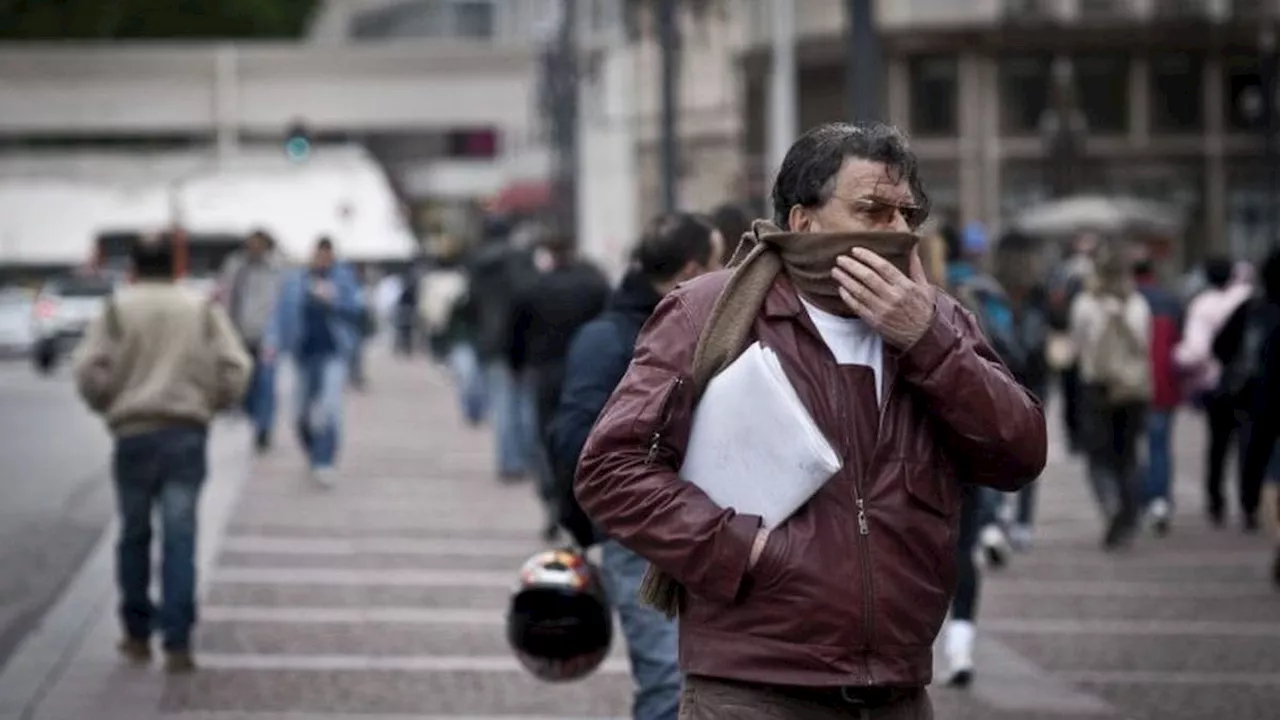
(1096, 213)
(342, 195)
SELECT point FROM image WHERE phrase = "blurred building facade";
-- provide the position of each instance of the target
(1169, 91)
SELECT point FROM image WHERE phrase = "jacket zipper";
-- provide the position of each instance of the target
(864, 545)
(663, 420)
(864, 527)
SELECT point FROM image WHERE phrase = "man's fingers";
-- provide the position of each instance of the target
(856, 290)
(917, 266)
(885, 269)
(863, 273)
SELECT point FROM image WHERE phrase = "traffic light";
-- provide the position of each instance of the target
(297, 143)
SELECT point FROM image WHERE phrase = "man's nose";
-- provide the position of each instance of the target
(898, 223)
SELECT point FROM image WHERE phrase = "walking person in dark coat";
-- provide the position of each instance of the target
(546, 315)
(674, 248)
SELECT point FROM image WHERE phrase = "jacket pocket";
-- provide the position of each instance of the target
(770, 567)
(656, 393)
(927, 486)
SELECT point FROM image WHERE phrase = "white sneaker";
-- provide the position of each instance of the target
(1020, 537)
(1159, 513)
(995, 546)
(324, 478)
(959, 652)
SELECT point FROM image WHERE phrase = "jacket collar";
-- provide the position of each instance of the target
(783, 301)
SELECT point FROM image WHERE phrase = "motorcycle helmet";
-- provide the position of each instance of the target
(559, 623)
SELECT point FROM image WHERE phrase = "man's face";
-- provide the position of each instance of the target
(866, 198)
(717, 253)
(257, 246)
(322, 260)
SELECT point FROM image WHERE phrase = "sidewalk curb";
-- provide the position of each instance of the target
(39, 662)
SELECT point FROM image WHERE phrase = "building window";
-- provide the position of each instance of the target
(473, 19)
(1024, 93)
(1243, 91)
(934, 85)
(473, 144)
(1176, 84)
(1102, 84)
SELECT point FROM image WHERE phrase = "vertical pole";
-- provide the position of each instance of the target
(667, 38)
(782, 96)
(1271, 156)
(863, 61)
(567, 111)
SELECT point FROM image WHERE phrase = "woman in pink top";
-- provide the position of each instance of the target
(1229, 287)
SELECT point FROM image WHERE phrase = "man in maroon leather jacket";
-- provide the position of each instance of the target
(834, 612)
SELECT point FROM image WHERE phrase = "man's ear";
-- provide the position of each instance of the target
(798, 219)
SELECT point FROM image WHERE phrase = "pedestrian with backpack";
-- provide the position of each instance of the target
(157, 365)
(1110, 324)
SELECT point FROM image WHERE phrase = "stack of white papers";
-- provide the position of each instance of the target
(753, 446)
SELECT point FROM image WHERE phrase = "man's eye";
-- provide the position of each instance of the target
(914, 216)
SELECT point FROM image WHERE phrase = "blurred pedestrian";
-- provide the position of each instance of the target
(1166, 331)
(405, 314)
(565, 296)
(318, 321)
(157, 364)
(733, 221)
(448, 315)
(499, 267)
(981, 294)
(777, 622)
(1207, 315)
(1111, 327)
(366, 329)
(1066, 282)
(249, 286)
(674, 248)
(1247, 349)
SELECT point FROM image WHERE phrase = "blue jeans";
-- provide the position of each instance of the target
(260, 400)
(652, 639)
(165, 468)
(469, 381)
(511, 399)
(1159, 455)
(321, 381)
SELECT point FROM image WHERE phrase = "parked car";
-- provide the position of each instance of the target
(16, 335)
(62, 310)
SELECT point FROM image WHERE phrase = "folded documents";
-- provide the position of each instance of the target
(753, 446)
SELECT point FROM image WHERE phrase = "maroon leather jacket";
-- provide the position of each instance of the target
(853, 588)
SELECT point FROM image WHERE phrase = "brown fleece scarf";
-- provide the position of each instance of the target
(807, 259)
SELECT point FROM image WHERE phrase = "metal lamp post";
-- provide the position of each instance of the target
(1063, 130)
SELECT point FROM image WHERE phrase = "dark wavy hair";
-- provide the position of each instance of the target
(808, 174)
(670, 242)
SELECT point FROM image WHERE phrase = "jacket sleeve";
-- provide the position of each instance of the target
(232, 362)
(595, 364)
(996, 426)
(593, 368)
(279, 333)
(96, 367)
(628, 481)
(349, 304)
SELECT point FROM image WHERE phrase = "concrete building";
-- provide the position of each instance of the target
(443, 92)
(1169, 90)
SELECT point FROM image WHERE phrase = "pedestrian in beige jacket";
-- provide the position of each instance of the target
(158, 364)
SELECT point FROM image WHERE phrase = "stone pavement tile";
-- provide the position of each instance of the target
(268, 595)
(388, 561)
(382, 692)
(1173, 654)
(1193, 701)
(1253, 608)
(376, 639)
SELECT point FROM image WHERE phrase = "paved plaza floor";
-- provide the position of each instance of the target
(383, 598)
